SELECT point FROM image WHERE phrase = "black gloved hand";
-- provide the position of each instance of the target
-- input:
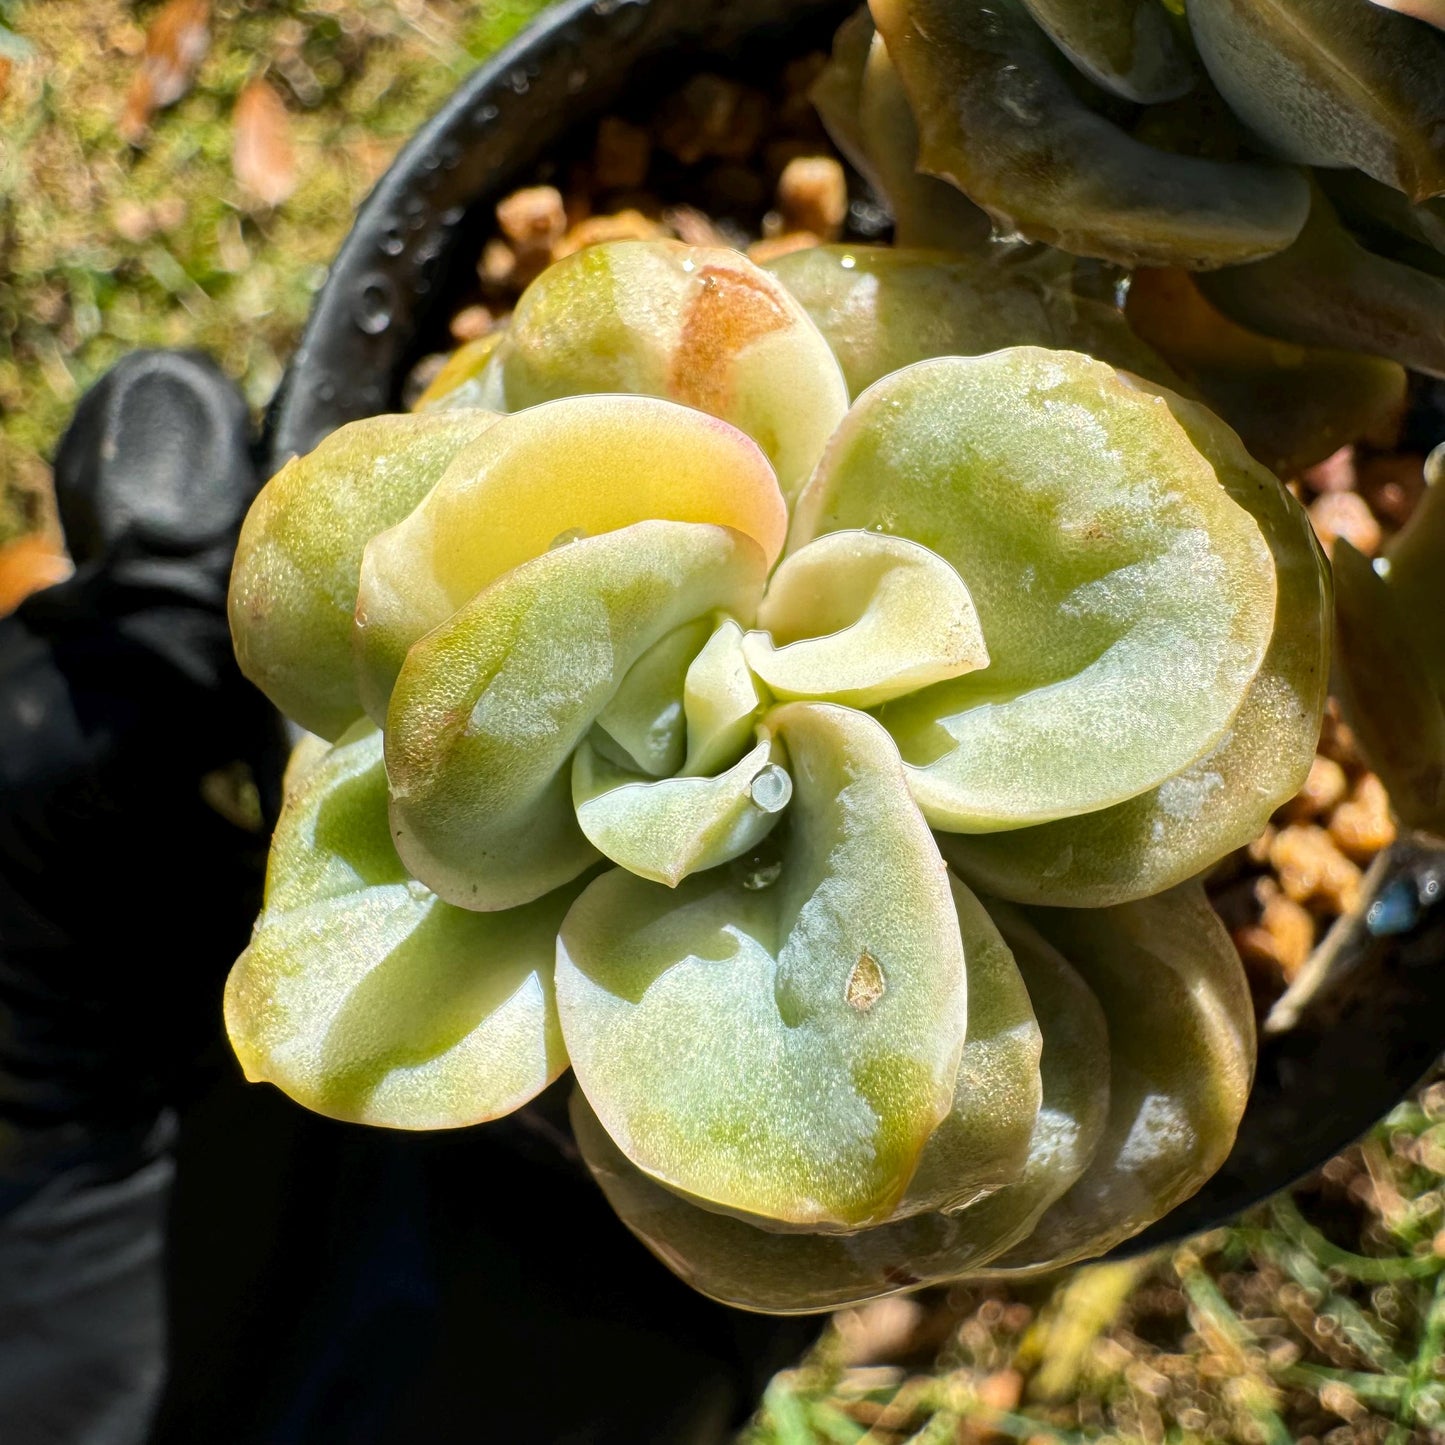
(124, 892)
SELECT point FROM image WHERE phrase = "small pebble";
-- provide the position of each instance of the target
(1337, 739)
(1258, 851)
(1362, 826)
(1335, 474)
(471, 323)
(498, 264)
(1347, 515)
(626, 225)
(622, 154)
(533, 219)
(1326, 786)
(813, 196)
(1284, 936)
(772, 247)
(1393, 484)
(1311, 869)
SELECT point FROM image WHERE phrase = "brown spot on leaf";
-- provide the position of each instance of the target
(865, 984)
(729, 311)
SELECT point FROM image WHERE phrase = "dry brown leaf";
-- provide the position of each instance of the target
(28, 564)
(261, 153)
(175, 46)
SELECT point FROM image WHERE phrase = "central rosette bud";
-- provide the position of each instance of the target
(677, 706)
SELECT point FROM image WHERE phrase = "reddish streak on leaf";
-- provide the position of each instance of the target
(729, 311)
(27, 565)
(1432, 12)
(175, 46)
(261, 153)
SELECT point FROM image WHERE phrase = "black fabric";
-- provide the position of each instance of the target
(184, 1257)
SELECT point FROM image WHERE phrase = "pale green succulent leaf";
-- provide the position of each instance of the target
(720, 700)
(459, 383)
(1332, 83)
(298, 561)
(982, 1143)
(363, 995)
(858, 618)
(1414, 574)
(780, 1044)
(999, 119)
(667, 828)
(1130, 47)
(490, 706)
(1328, 290)
(645, 716)
(1181, 1034)
(761, 1269)
(543, 478)
(1102, 556)
(1224, 799)
(698, 325)
(883, 308)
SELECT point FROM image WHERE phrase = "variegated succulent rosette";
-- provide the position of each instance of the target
(822, 782)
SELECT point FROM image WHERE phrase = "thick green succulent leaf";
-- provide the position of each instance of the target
(999, 119)
(363, 995)
(1292, 405)
(1387, 690)
(698, 325)
(785, 1049)
(1130, 47)
(762, 1269)
(858, 618)
(1387, 222)
(1181, 1033)
(490, 705)
(1328, 290)
(459, 383)
(883, 308)
(1332, 83)
(298, 561)
(720, 700)
(865, 111)
(983, 1142)
(1414, 570)
(645, 716)
(665, 829)
(1225, 798)
(542, 479)
(1103, 558)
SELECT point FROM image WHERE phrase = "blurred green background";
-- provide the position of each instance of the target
(180, 173)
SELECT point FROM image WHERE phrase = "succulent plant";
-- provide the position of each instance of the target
(1290, 151)
(824, 783)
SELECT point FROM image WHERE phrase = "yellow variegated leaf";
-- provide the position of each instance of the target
(298, 561)
(1181, 1035)
(858, 618)
(1225, 798)
(544, 478)
(490, 706)
(667, 828)
(780, 1042)
(1103, 557)
(720, 700)
(367, 998)
(698, 325)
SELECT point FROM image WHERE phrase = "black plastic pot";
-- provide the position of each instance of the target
(522, 1230)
